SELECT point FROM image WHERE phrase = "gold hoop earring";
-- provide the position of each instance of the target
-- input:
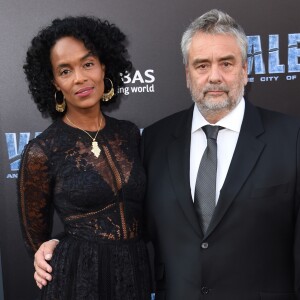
(60, 107)
(107, 96)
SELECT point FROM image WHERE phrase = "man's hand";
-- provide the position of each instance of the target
(42, 268)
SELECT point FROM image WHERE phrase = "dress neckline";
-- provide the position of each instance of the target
(73, 129)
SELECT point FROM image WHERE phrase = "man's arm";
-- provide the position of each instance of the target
(297, 226)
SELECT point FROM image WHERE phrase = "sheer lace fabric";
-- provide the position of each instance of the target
(99, 200)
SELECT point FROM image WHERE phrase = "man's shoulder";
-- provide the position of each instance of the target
(272, 116)
(169, 122)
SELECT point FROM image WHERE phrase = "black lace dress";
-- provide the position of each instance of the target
(100, 202)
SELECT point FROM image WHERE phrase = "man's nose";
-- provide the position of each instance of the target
(215, 75)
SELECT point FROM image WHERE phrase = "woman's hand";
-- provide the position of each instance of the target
(42, 268)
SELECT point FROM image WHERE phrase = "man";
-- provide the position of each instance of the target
(250, 249)
(245, 245)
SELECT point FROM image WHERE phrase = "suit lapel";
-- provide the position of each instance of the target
(179, 166)
(246, 154)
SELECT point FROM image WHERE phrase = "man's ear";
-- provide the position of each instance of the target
(187, 77)
(245, 72)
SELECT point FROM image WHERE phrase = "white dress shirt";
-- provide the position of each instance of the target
(226, 142)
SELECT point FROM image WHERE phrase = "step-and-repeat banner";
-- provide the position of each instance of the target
(156, 87)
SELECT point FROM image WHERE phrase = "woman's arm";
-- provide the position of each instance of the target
(35, 201)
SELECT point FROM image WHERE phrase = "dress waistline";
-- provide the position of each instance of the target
(101, 240)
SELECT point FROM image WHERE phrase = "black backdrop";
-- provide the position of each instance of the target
(155, 89)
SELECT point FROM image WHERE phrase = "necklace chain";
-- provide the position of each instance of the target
(95, 146)
(93, 138)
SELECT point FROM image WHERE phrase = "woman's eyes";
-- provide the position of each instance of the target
(88, 64)
(64, 72)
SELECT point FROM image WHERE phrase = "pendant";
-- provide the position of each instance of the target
(95, 149)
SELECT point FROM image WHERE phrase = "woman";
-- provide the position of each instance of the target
(85, 165)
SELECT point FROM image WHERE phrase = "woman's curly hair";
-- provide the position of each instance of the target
(103, 39)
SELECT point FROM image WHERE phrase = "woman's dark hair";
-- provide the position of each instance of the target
(103, 39)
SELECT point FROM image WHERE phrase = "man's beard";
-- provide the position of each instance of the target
(207, 104)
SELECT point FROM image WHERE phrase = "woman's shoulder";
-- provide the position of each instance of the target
(121, 125)
(47, 137)
(53, 128)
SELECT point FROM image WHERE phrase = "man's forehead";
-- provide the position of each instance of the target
(208, 39)
(214, 44)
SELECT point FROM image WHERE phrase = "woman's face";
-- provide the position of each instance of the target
(77, 73)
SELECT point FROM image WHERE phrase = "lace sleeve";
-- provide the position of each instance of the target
(34, 188)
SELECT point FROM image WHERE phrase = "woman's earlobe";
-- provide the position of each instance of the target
(55, 85)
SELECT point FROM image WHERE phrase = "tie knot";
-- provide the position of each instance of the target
(211, 131)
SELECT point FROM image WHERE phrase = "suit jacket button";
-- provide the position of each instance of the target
(204, 290)
(204, 245)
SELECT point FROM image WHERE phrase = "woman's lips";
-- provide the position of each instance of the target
(84, 92)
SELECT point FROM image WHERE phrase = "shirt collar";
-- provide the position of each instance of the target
(232, 121)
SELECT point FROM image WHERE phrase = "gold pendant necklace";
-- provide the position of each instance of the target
(95, 146)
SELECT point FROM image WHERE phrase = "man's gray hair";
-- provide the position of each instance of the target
(214, 22)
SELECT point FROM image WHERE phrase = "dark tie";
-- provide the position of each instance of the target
(205, 189)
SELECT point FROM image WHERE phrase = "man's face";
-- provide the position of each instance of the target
(215, 73)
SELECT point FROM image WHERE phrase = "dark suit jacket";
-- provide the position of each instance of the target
(251, 250)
